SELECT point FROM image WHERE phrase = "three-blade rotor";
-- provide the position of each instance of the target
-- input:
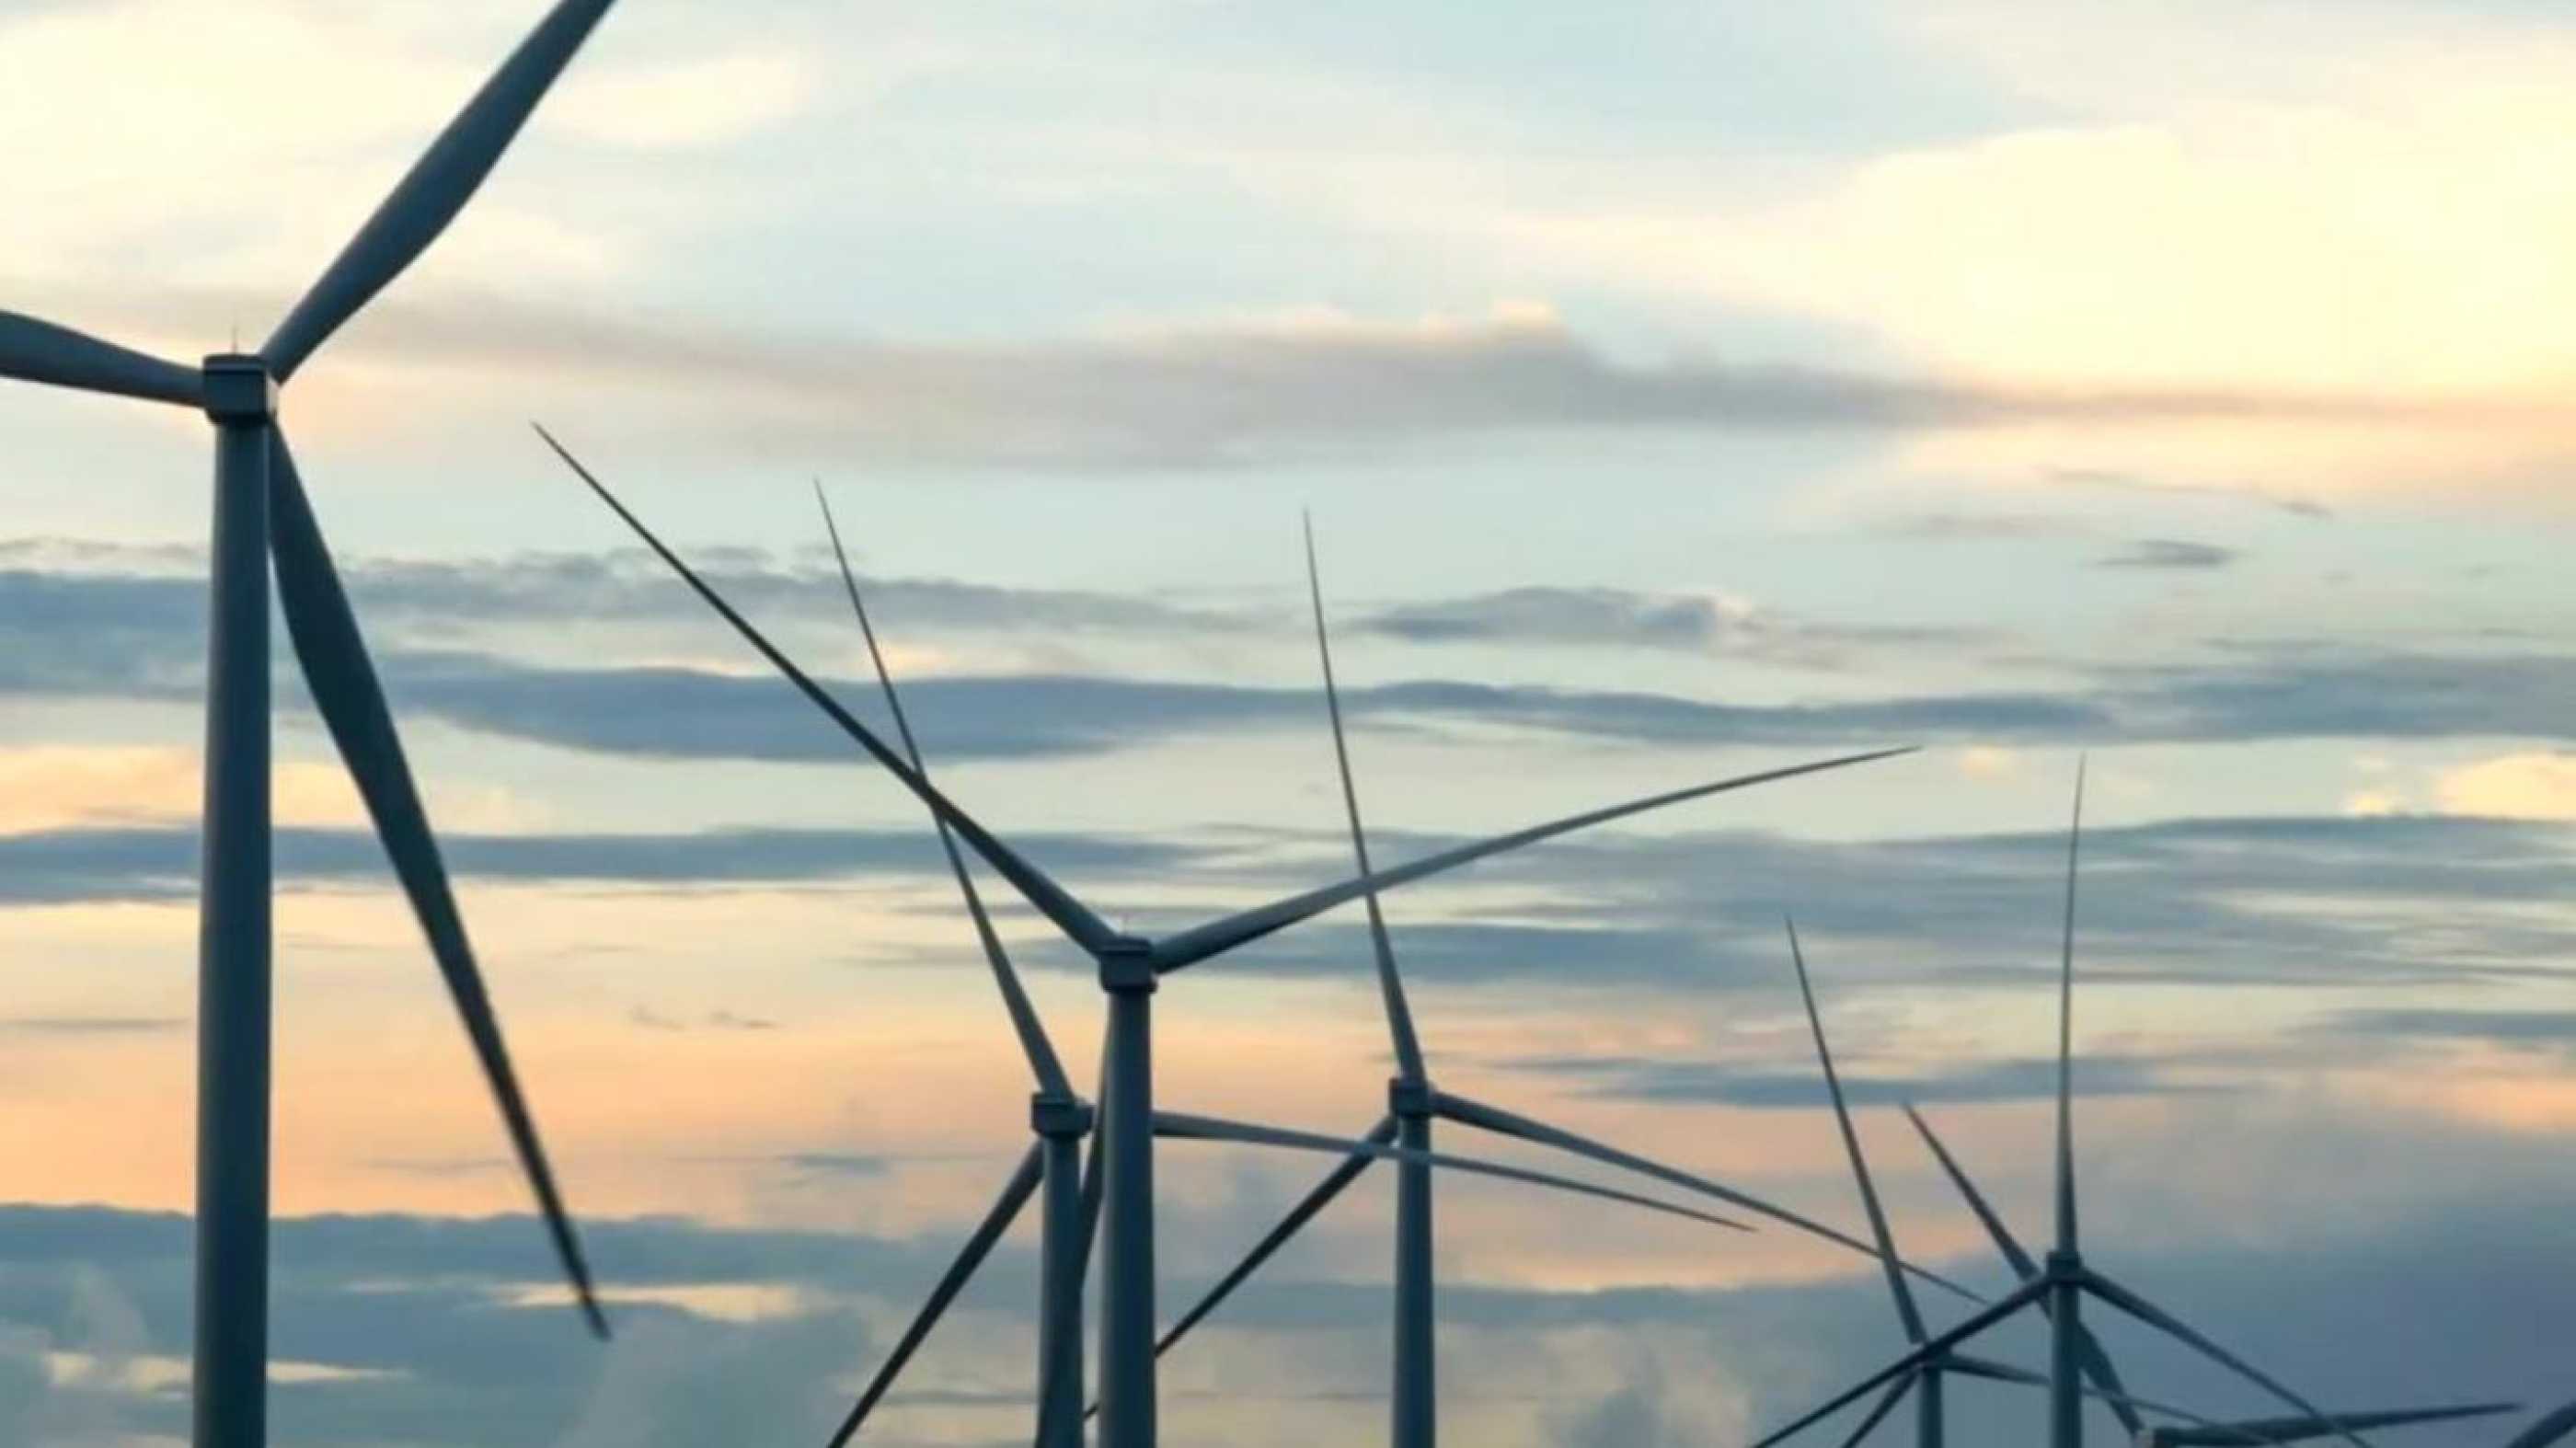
(240, 392)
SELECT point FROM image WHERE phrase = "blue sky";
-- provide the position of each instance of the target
(1676, 389)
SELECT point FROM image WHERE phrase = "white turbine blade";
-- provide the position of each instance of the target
(1034, 1044)
(2300, 1429)
(1050, 899)
(2088, 1348)
(1190, 946)
(1399, 1015)
(1878, 1412)
(2547, 1430)
(437, 187)
(1934, 1348)
(351, 700)
(1508, 1123)
(2020, 1261)
(979, 1245)
(2024, 1377)
(34, 351)
(1878, 1228)
(1182, 1127)
(2175, 1328)
(2066, 1033)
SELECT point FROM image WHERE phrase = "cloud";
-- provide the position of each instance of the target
(89, 1025)
(2532, 786)
(1963, 527)
(2319, 690)
(1295, 387)
(2170, 553)
(2553, 1031)
(148, 604)
(652, 1020)
(59, 866)
(2296, 504)
(2027, 1079)
(424, 1328)
(1689, 623)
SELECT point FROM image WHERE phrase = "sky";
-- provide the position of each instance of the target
(1677, 390)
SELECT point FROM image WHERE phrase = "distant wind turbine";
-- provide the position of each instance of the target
(1926, 1380)
(262, 518)
(1130, 969)
(2058, 1286)
(1060, 1119)
(1412, 1104)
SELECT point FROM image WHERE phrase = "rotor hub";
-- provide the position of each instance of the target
(1059, 1116)
(1127, 965)
(1409, 1098)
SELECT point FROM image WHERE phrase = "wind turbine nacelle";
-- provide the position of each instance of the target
(239, 389)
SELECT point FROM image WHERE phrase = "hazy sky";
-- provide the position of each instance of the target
(1678, 389)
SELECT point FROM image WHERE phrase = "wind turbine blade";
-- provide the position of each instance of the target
(1216, 937)
(1935, 1347)
(1878, 1229)
(1034, 1044)
(2295, 1430)
(2022, 1265)
(2173, 1327)
(1015, 1195)
(1507, 1123)
(426, 199)
(1050, 899)
(1399, 1014)
(2024, 1377)
(1182, 1127)
(2547, 1430)
(352, 704)
(2096, 1364)
(1341, 1176)
(34, 351)
(1878, 1412)
(1092, 1185)
(2088, 1348)
(2066, 1033)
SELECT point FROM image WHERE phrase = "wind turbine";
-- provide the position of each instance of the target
(1413, 1102)
(262, 517)
(1060, 1120)
(1926, 1380)
(2058, 1286)
(1130, 969)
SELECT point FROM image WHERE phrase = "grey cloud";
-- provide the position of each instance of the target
(1688, 623)
(671, 712)
(839, 1163)
(2028, 1079)
(1233, 392)
(422, 1305)
(84, 608)
(653, 1020)
(2295, 504)
(88, 1025)
(1952, 527)
(155, 863)
(2210, 901)
(2548, 1030)
(2170, 553)
(136, 637)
